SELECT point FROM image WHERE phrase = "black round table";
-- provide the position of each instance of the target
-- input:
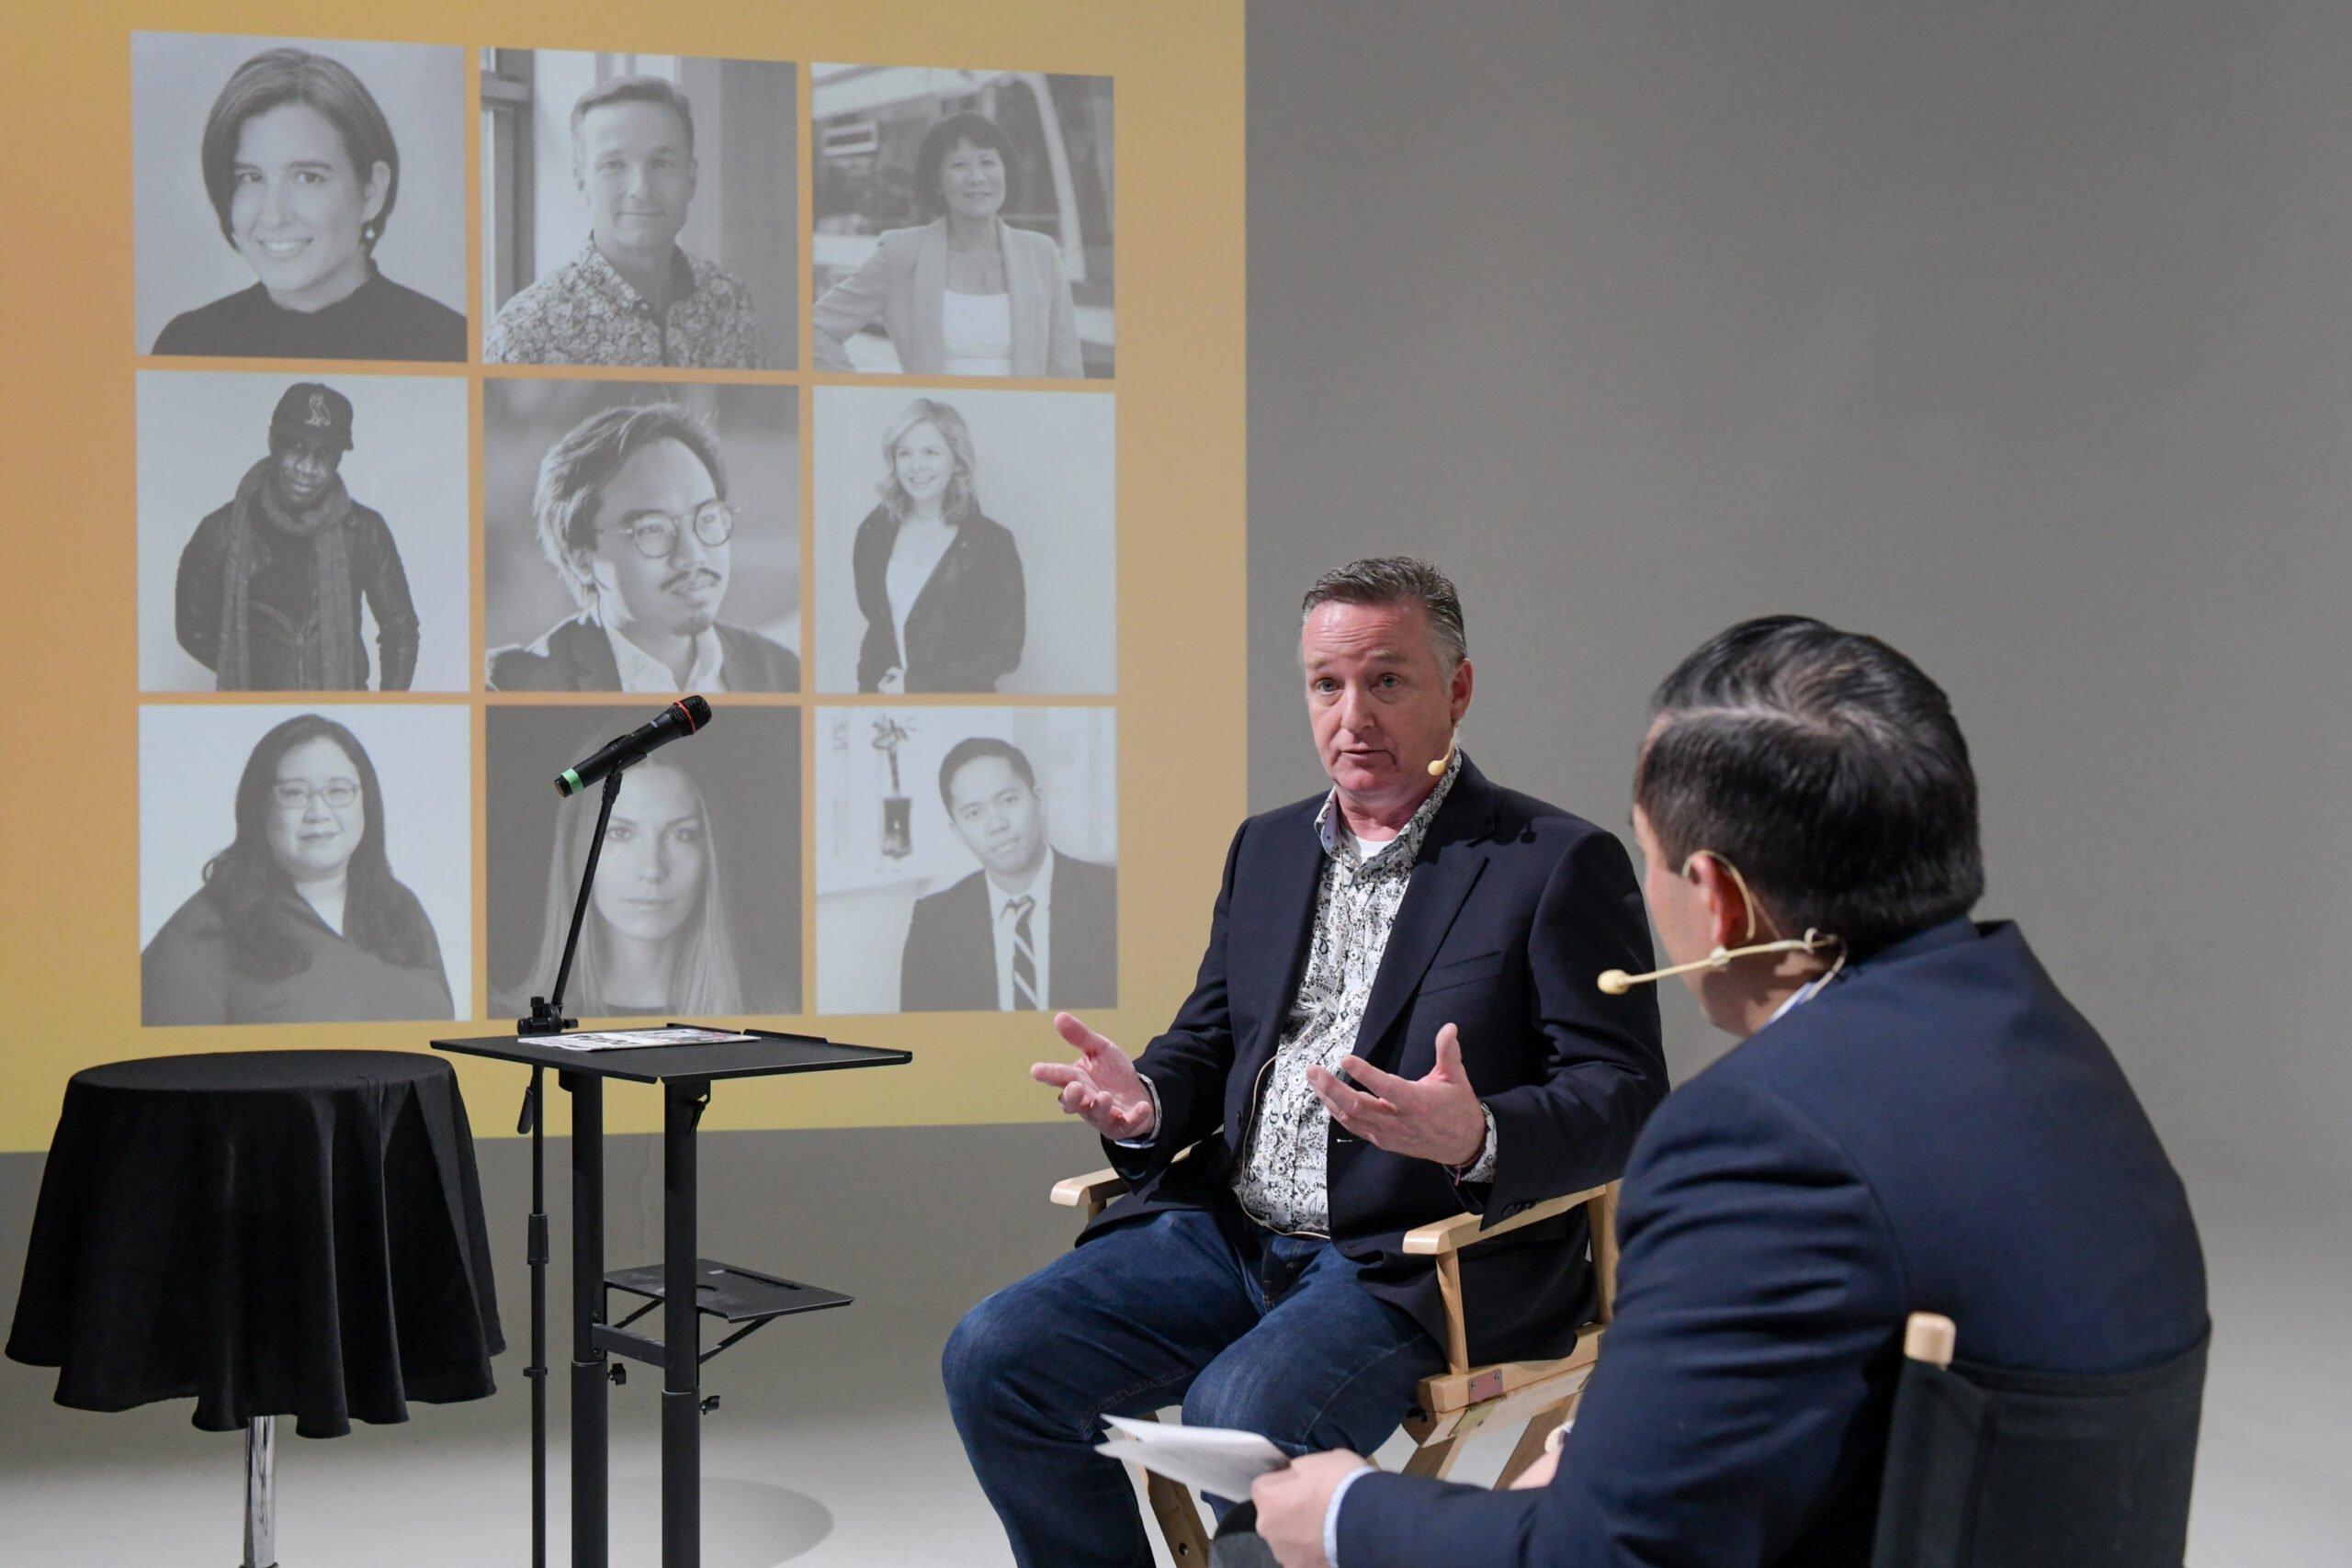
(273, 1233)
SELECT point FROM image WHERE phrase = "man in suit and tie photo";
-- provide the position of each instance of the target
(1033, 928)
(632, 513)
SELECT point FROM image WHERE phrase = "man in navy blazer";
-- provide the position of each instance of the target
(1394, 1020)
(1916, 1120)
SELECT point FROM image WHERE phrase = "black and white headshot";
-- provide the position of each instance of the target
(975, 532)
(657, 228)
(963, 222)
(695, 911)
(966, 860)
(641, 538)
(302, 534)
(298, 199)
(304, 865)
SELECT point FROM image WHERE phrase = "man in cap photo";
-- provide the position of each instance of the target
(270, 588)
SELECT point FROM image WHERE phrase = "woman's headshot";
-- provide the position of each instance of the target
(975, 530)
(302, 171)
(301, 919)
(938, 581)
(681, 921)
(965, 293)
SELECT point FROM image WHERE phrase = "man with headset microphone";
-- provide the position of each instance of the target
(1917, 1120)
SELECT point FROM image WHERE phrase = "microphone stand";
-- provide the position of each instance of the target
(546, 1017)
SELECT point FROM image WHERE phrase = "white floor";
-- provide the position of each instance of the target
(832, 1447)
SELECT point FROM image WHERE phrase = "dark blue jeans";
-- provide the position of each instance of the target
(1268, 1333)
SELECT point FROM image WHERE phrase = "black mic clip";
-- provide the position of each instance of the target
(543, 1020)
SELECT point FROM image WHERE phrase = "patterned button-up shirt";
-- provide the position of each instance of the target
(1281, 1179)
(586, 312)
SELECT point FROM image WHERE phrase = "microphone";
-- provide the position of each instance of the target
(1616, 982)
(686, 716)
(1437, 769)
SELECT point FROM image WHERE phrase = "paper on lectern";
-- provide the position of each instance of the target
(1214, 1459)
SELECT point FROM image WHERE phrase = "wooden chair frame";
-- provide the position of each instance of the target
(1453, 1405)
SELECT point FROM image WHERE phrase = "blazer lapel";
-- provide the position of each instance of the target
(1020, 303)
(923, 623)
(1273, 923)
(593, 667)
(928, 307)
(1449, 862)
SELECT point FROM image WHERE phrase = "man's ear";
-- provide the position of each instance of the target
(1731, 916)
(1459, 689)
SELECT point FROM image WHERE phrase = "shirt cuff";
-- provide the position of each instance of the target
(1483, 1168)
(1152, 1089)
(1332, 1514)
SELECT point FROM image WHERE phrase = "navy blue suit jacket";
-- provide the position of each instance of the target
(1513, 906)
(1937, 1131)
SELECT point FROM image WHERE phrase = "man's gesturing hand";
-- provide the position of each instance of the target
(1435, 1118)
(1100, 1087)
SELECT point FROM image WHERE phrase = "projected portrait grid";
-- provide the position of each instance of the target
(332, 540)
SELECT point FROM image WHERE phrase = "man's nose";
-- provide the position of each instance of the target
(690, 550)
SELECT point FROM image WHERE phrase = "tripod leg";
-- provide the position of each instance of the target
(261, 1492)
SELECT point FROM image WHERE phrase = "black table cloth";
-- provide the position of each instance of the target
(272, 1233)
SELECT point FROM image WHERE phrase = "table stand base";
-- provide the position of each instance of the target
(261, 1492)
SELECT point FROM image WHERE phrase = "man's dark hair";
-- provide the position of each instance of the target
(573, 474)
(1828, 768)
(1397, 580)
(971, 749)
(930, 156)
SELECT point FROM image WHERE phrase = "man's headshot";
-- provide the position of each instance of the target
(270, 587)
(1032, 928)
(632, 513)
(631, 294)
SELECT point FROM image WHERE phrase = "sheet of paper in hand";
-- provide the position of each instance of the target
(1214, 1459)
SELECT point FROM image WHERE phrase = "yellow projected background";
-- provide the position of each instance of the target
(70, 585)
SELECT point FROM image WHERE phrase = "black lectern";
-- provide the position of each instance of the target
(685, 1286)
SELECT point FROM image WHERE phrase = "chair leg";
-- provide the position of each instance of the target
(1434, 1458)
(1530, 1447)
(1180, 1521)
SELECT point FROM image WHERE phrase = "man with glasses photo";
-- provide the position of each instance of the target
(632, 512)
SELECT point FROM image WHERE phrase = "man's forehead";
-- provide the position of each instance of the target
(1366, 634)
(633, 121)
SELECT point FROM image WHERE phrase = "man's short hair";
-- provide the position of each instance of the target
(1397, 580)
(578, 467)
(930, 156)
(278, 76)
(1828, 768)
(971, 749)
(632, 90)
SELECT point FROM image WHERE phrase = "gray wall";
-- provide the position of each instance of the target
(2014, 333)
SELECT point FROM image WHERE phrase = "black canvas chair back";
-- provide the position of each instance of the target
(1995, 1469)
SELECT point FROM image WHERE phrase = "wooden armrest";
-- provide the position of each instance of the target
(1452, 1236)
(1090, 1191)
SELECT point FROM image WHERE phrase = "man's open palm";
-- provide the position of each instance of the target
(1436, 1117)
(1100, 1088)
